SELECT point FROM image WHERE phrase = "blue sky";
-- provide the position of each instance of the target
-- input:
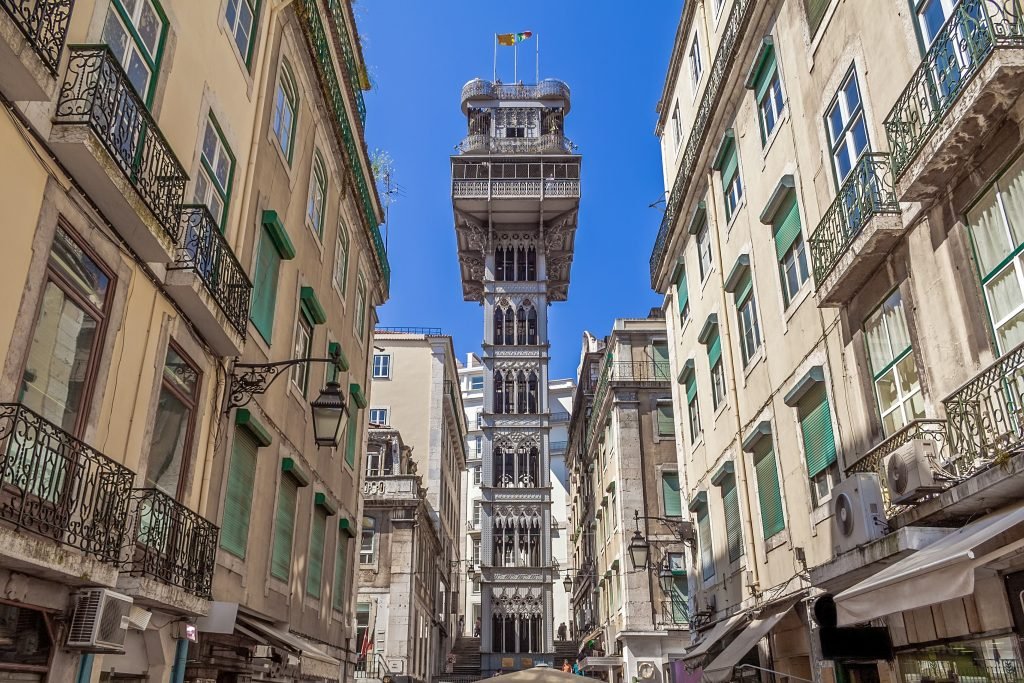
(421, 52)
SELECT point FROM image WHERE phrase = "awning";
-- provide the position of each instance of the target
(720, 630)
(312, 660)
(941, 571)
(720, 670)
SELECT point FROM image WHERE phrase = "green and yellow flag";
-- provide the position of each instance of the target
(510, 39)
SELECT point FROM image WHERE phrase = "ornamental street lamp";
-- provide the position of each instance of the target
(567, 582)
(639, 550)
(329, 413)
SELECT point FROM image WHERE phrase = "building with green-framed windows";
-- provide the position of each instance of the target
(840, 264)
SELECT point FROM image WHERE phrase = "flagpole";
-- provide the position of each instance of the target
(537, 38)
(515, 61)
(494, 73)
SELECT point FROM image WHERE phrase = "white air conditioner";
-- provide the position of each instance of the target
(100, 620)
(858, 514)
(908, 471)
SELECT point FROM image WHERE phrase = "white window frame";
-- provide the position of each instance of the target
(284, 127)
(733, 194)
(705, 258)
(696, 63)
(718, 391)
(477, 513)
(376, 413)
(302, 345)
(235, 25)
(749, 328)
(208, 186)
(794, 259)
(902, 407)
(382, 370)
(693, 416)
(368, 556)
(827, 478)
(359, 317)
(772, 102)
(316, 199)
(339, 277)
(849, 118)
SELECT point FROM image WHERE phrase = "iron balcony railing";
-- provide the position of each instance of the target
(96, 92)
(511, 91)
(560, 416)
(371, 665)
(428, 331)
(549, 143)
(624, 371)
(171, 543)
(44, 24)
(355, 77)
(56, 486)
(317, 41)
(973, 31)
(557, 447)
(867, 192)
(204, 250)
(673, 613)
(735, 27)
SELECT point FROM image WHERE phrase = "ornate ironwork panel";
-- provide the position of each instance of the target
(511, 91)
(344, 42)
(628, 372)
(972, 32)
(867, 192)
(171, 543)
(56, 486)
(204, 250)
(44, 24)
(96, 92)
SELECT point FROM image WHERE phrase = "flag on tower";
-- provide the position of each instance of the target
(509, 39)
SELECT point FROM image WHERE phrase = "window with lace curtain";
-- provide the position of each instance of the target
(894, 372)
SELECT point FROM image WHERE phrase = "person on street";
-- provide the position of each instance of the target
(476, 628)
(561, 631)
(566, 667)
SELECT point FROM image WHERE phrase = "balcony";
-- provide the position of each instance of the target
(557, 447)
(32, 34)
(56, 487)
(967, 81)
(550, 143)
(479, 90)
(107, 139)
(173, 545)
(857, 231)
(515, 180)
(648, 373)
(209, 283)
(672, 614)
(394, 487)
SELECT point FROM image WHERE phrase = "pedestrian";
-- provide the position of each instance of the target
(561, 631)
(476, 628)
(566, 667)
(462, 623)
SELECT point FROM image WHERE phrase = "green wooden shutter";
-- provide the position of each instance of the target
(666, 421)
(682, 293)
(768, 493)
(786, 226)
(816, 426)
(730, 164)
(264, 301)
(765, 72)
(707, 546)
(315, 571)
(234, 529)
(340, 560)
(733, 532)
(815, 13)
(714, 350)
(284, 528)
(691, 388)
(670, 494)
(743, 289)
(351, 432)
(662, 368)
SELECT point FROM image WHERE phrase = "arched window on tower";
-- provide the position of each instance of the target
(510, 263)
(509, 326)
(531, 264)
(510, 393)
(521, 326)
(532, 396)
(499, 326)
(499, 393)
(531, 324)
(521, 406)
(521, 264)
(499, 263)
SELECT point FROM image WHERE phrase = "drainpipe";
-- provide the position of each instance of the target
(180, 655)
(85, 668)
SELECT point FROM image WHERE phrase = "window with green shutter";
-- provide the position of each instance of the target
(682, 295)
(816, 428)
(733, 530)
(727, 162)
(351, 432)
(284, 528)
(790, 249)
(670, 497)
(815, 10)
(234, 530)
(315, 570)
(666, 421)
(707, 546)
(340, 566)
(662, 368)
(769, 494)
(274, 247)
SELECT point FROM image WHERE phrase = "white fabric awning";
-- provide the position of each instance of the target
(312, 660)
(720, 670)
(941, 571)
(719, 631)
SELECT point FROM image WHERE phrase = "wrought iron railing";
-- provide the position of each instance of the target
(56, 486)
(204, 250)
(556, 447)
(624, 371)
(673, 613)
(560, 416)
(867, 192)
(96, 92)
(735, 27)
(549, 143)
(511, 91)
(316, 38)
(372, 665)
(171, 543)
(972, 32)
(435, 331)
(504, 189)
(44, 24)
(348, 55)
(986, 415)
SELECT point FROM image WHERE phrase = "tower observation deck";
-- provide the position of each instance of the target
(515, 195)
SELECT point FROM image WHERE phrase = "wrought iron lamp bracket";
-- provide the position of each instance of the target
(257, 378)
(683, 529)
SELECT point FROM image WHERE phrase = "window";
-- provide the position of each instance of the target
(359, 319)
(476, 586)
(717, 4)
(733, 527)
(368, 541)
(769, 495)
(815, 11)
(352, 436)
(379, 416)
(728, 164)
(666, 422)
(704, 251)
(475, 557)
(316, 202)
(662, 364)
(997, 228)
(671, 501)
(717, 371)
(167, 462)
(341, 259)
(234, 529)
(893, 369)
(302, 349)
(692, 407)
(790, 249)
(847, 128)
(363, 626)
(240, 16)
(696, 63)
(819, 444)
(317, 535)
(274, 246)
(707, 546)
(67, 336)
(286, 104)
(677, 126)
(476, 512)
(381, 365)
(768, 92)
(284, 527)
(682, 296)
(216, 168)
(477, 474)
(476, 383)
(135, 30)
(746, 318)
(340, 570)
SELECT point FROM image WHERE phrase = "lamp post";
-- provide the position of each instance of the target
(567, 582)
(639, 550)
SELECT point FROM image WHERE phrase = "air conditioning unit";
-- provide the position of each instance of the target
(858, 514)
(908, 471)
(100, 620)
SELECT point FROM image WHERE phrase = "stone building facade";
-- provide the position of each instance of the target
(838, 261)
(173, 179)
